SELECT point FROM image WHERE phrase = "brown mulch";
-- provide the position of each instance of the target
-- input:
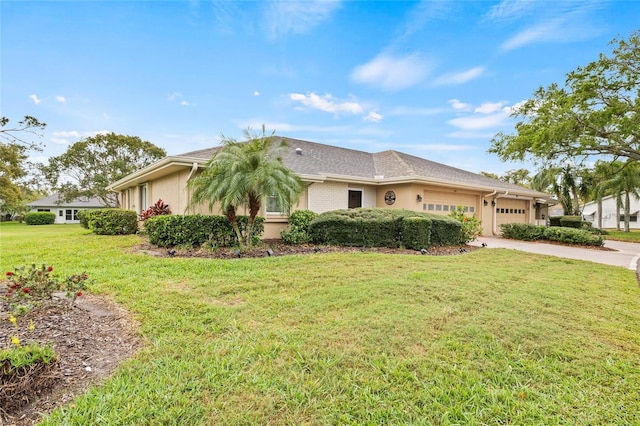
(90, 340)
(278, 248)
(96, 335)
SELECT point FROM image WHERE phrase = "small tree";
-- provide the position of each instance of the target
(243, 175)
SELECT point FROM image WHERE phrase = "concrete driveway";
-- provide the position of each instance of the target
(622, 254)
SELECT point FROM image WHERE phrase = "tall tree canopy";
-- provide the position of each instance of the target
(14, 146)
(597, 112)
(244, 174)
(91, 164)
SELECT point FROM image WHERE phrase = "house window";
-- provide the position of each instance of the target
(438, 207)
(431, 207)
(355, 198)
(632, 218)
(60, 213)
(142, 192)
(273, 205)
(445, 208)
(71, 214)
(44, 210)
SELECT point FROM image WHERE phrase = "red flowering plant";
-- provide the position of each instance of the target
(158, 209)
(471, 226)
(28, 287)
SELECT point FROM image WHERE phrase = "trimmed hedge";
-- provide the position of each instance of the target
(573, 236)
(529, 232)
(40, 218)
(298, 229)
(522, 231)
(113, 222)
(83, 217)
(384, 228)
(194, 230)
(571, 222)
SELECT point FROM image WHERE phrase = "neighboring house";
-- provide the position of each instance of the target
(611, 213)
(340, 178)
(65, 212)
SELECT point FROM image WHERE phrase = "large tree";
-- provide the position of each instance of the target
(14, 147)
(244, 174)
(91, 164)
(597, 112)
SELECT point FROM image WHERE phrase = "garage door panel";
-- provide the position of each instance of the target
(511, 211)
(444, 203)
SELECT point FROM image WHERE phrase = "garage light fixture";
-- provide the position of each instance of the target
(419, 198)
(486, 203)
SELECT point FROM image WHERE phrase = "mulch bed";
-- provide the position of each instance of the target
(90, 340)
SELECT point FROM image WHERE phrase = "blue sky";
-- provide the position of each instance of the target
(435, 79)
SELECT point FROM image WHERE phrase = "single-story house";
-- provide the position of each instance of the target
(66, 212)
(341, 178)
(611, 212)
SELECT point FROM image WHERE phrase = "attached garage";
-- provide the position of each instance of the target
(509, 210)
(445, 202)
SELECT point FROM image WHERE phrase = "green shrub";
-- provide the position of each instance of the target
(416, 233)
(522, 231)
(196, 230)
(113, 222)
(573, 236)
(298, 229)
(571, 222)
(379, 227)
(40, 218)
(471, 228)
(554, 220)
(83, 217)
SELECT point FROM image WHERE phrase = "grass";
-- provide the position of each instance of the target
(491, 337)
(633, 236)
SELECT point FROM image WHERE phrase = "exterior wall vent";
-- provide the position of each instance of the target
(299, 151)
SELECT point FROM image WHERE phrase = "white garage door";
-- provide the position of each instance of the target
(511, 211)
(445, 202)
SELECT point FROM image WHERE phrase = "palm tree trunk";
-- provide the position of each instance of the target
(618, 205)
(599, 212)
(254, 209)
(231, 215)
(627, 210)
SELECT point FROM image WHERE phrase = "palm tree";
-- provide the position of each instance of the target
(624, 181)
(563, 182)
(243, 174)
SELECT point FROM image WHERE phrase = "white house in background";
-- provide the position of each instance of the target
(611, 213)
(65, 212)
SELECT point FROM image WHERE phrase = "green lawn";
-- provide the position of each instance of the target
(490, 337)
(633, 236)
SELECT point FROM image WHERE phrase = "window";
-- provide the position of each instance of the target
(632, 218)
(142, 192)
(71, 214)
(273, 205)
(60, 213)
(44, 210)
(445, 208)
(355, 198)
(472, 209)
(431, 207)
(438, 207)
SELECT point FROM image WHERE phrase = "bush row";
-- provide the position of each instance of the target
(109, 221)
(40, 218)
(195, 230)
(384, 228)
(529, 232)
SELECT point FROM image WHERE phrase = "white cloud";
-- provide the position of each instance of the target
(459, 106)
(326, 103)
(392, 73)
(298, 17)
(184, 103)
(173, 96)
(508, 10)
(61, 99)
(256, 93)
(489, 107)
(479, 122)
(403, 110)
(35, 99)
(71, 134)
(374, 117)
(460, 77)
